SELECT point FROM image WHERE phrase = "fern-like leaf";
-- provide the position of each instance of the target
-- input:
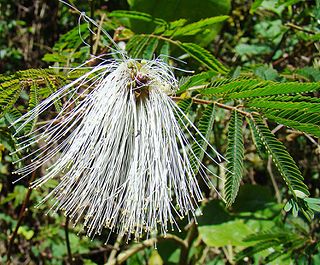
(150, 49)
(256, 138)
(255, 88)
(196, 80)
(277, 89)
(225, 87)
(196, 27)
(299, 120)
(270, 104)
(137, 15)
(282, 159)
(203, 56)
(234, 156)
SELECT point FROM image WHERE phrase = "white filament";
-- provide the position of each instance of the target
(122, 159)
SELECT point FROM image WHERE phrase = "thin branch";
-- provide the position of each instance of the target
(273, 180)
(66, 231)
(22, 214)
(123, 256)
(223, 106)
(91, 3)
(115, 248)
(95, 46)
(192, 233)
(296, 27)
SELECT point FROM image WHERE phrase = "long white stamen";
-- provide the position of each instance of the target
(122, 158)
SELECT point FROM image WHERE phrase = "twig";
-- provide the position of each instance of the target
(293, 26)
(66, 231)
(223, 106)
(22, 214)
(123, 256)
(274, 183)
(91, 3)
(192, 233)
(95, 46)
(115, 248)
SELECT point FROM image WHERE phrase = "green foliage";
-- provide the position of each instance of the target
(282, 159)
(186, 10)
(251, 88)
(285, 241)
(269, 80)
(234, 156)
(203, 56)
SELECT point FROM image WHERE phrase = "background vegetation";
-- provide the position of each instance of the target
(254, 92)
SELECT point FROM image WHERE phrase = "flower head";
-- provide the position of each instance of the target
(120, 150)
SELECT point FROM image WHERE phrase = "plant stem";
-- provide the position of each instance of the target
(115, 248)
(66, 230)
(124, 255)
(22, 214)
(192, 233)
(274, 183)
(296, 27)
(223, 106)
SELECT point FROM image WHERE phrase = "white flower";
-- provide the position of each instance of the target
(121, 157)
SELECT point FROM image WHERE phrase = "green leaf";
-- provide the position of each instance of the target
(185, 105)
(250, 251)
(277, 89)
(26, 232)
(165, 51)
(203, 56)
(256, 138)
(175, 9)
(168, 30)
(282, 159)
(137, 44)
(227, 233)
(268, 103)
(255, 88)
(302, 115)
(9, 94)
(234, 156)
(34, 99)
(224, 87)
(137, 15)
(196, 80)
(299, 120)
(196, 27)
(150, 49)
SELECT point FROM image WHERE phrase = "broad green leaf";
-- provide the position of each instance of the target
(228, 233)
(234, 156)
